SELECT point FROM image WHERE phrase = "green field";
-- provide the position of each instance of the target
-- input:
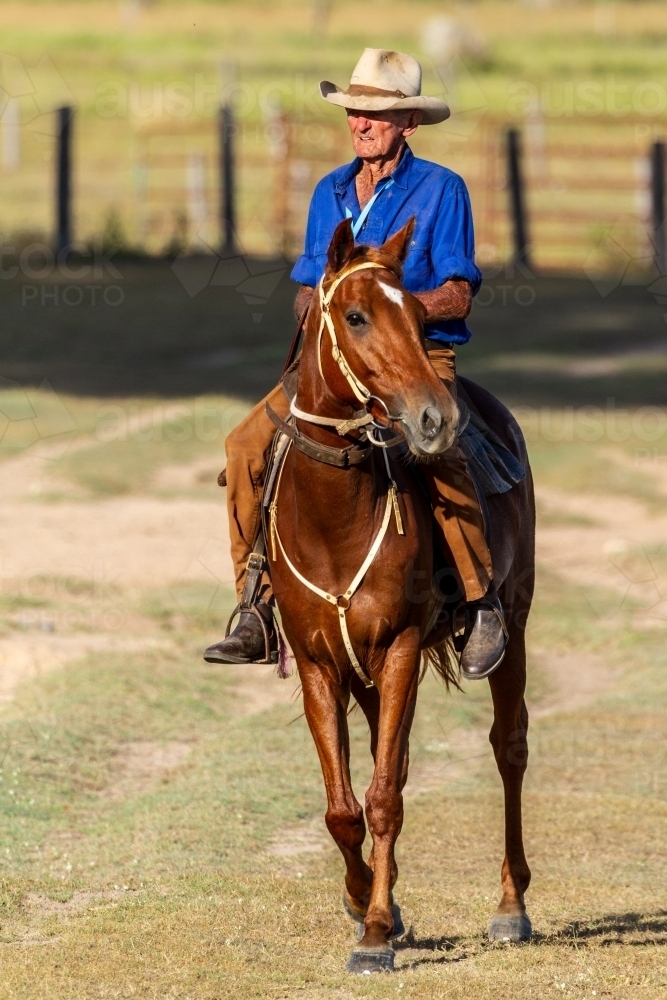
(147, 80)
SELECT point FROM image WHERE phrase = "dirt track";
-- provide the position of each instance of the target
(146, 544)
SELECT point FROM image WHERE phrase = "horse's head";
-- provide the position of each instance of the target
(377, 344)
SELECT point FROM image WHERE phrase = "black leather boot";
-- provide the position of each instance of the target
(482, 644)
(254, 640)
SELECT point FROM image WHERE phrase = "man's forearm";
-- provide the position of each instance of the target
(303, 299)
(453, 300)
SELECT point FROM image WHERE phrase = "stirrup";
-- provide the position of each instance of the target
(460, 636)
(270, 656)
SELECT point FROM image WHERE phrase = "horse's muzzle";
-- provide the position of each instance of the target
(430, 431)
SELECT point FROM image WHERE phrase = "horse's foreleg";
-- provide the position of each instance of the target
(325, 703)
(508, 737)
(384, 799)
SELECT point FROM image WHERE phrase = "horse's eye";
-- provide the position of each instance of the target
(355, 319)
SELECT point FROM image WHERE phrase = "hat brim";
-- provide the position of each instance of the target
(433, 109)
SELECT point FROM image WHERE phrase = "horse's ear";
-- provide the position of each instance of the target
(398, 244)
(341, 246)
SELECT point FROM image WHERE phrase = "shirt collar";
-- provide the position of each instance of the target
(400, 175)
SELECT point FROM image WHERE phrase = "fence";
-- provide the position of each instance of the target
(591, 189)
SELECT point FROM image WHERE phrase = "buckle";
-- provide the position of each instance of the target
(255, 561)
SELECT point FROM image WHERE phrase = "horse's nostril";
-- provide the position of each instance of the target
(431, 422)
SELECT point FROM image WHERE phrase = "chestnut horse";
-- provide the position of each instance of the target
(369, 520)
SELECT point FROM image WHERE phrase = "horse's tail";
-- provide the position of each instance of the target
(444, 661)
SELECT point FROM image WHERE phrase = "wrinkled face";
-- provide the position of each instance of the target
(380, 134)
(379, 327)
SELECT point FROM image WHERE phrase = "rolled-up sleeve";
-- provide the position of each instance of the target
(453, 246)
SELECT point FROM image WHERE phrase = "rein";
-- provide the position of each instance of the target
(341, 457)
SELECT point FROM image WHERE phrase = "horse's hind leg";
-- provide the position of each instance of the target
(325, 703)
(508, 737)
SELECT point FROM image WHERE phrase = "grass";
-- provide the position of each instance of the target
(127, 460)
(577, 467)
(184, 900)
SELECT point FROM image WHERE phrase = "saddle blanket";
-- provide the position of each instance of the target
(491, 465)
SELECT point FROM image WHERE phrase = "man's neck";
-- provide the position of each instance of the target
(373, 171)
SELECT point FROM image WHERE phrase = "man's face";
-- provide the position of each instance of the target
(380, 134)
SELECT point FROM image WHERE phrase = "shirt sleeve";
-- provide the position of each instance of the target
(305, 269)
(453, 246)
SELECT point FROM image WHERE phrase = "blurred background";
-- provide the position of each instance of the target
(175, 149)
(161, 826)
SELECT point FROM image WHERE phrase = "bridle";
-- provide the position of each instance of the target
(365, 420)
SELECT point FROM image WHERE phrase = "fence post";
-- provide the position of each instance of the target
(227, 190)
(64, 179)
(517, 198)
(658, 204)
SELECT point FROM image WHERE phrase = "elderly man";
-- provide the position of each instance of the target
(380, 191)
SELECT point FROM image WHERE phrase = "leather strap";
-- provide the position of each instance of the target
(326, 321)
(341, 458)
(255, 567)
(294, 346)
(361, 418)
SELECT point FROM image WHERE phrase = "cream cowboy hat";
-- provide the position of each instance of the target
(384, 80)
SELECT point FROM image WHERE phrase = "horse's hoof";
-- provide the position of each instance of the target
(510, 927)
(364, 961)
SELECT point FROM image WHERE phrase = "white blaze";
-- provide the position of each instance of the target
(395, 294)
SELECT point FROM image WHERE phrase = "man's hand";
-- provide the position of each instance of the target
(303, 299)
(453, 300)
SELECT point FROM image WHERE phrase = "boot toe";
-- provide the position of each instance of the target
(485, 649)
(245, 644)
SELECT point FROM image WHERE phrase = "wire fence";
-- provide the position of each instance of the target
(157, 186)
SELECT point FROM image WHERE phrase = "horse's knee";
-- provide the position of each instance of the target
(511, 749)
(384, 811)
(346, 826)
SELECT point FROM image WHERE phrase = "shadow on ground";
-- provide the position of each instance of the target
(620, 928)
(203, 325)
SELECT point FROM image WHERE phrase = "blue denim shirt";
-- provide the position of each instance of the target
(443, 244)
